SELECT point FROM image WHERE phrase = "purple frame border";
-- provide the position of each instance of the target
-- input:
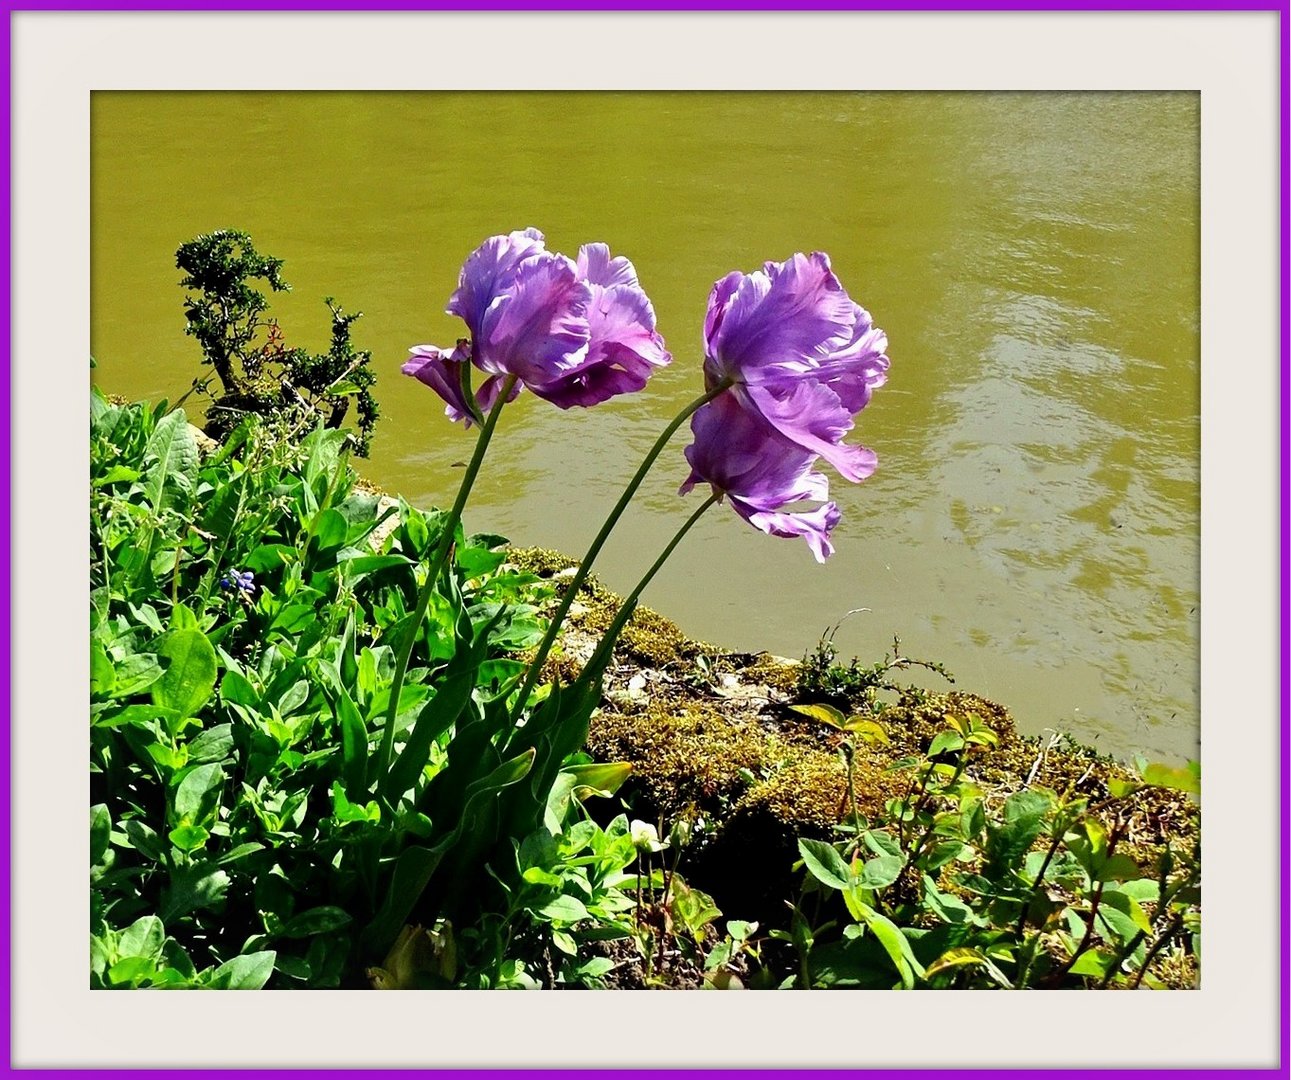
(1282, 7)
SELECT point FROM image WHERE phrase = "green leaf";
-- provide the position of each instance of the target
(1024, 815)
(1119, 868)
(1119, 788)
(825, 714)
(191, 888)
(236, 690)
(330, 530)
(869, 730)
(100, 832)
(945, 741)
(213, 744)
(247, 972)
(354, 742)
(170, 461)
(881, 871)
(895, 945)
(825, 863)
(197, 793)
(435, 718)
(319, 920)
(1185, 779)
(881, 843)
(189, 838)
(566, 909)
(103, 674)
(134, 673)
(190, 679)
(1092, 963)
(144, 937)
(239, 852)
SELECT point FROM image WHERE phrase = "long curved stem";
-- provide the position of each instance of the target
(584, 567)
(626, 608)
(436, 566)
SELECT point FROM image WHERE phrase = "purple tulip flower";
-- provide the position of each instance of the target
(802, 358)
(760, 472)
(573, 333)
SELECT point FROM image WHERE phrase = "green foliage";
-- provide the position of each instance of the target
(265, 377)
(241, 654)
(853, 686)
(948, 889)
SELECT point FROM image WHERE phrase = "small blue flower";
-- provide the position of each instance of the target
(244, 581)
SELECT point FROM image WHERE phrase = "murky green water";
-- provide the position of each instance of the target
(1033, 257)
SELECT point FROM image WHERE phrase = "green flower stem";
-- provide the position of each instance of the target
(436, 566)
(584, 567)
(625, 611)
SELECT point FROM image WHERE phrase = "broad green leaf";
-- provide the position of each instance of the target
(103, 674)
(143, 937)
(436, 717)
(1093, 964)
(100, 832)
(1120, 788)
(599, 778)
(170, 461)
(213, 744)
(197, 793)
(188, 682)
(825, 714)
(236, 690)
(248, 972)
(896, 946)
(192, 888)
(189, 838)
(825, 863)
(239, 852)
(354, 742)
(1119, 868)
(881, 843)
(330, 529)
(566, 909)
(881, 871)
(134, 673)
(1185, 779)
(1123, 902)
(945, 741)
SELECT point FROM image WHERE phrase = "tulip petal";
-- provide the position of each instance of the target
(813, 526)
(782, 320)
(442, 372)
(486, 271)
(596, 267)
(811, 415)
(537, 328)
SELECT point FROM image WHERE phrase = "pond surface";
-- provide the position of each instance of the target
(1034, 523)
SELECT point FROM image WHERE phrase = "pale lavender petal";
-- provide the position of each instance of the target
(812, 416)
(442, 372)
(486, 271)
(813, 526)
(596, 267)
(624, 348)
(536, 329)
(719, 300)
(855, 371)
(782, 320)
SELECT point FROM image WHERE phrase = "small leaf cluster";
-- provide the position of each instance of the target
(950, 888)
